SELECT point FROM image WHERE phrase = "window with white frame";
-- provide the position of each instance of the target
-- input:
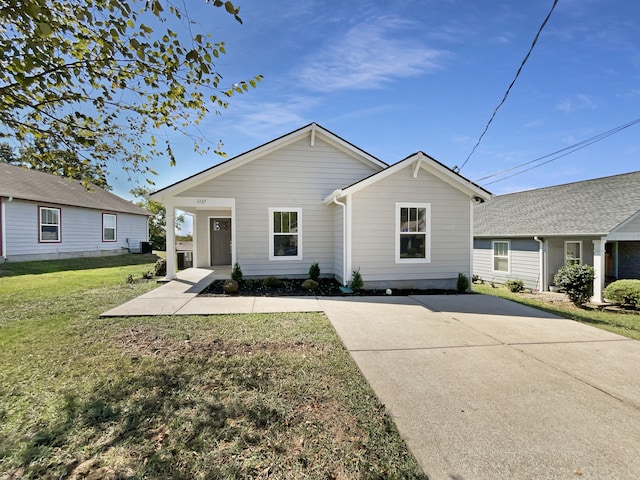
(573, 252)
(109, 227)
(500, 255)
(285, 237)
(413, 225)
(49, 224)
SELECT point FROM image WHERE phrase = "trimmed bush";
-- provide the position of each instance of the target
(462, 284)
(314, 271)
(514, 286)
(624, 292)
(230, 286)
(160, 268)
(271, 282)
(309, 284)
(236, 273)
(356, 281)
(576, 280)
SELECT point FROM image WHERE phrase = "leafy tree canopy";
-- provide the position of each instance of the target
(49, 158)
(158, 220)
(100, 78)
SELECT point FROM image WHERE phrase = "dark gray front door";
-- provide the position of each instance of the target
(220, 232)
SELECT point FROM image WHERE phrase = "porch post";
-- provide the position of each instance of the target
(599, 270)
(171, 241)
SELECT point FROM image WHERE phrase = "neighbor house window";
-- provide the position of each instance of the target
(285, 238)
(573, 252)
(109, 227)
(49, 224)
(413, 225)
(501, 255)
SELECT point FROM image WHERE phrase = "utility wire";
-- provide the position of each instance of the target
(506, 94)
(568, 150)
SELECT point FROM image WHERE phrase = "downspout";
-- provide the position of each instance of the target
(543, 276)
(344, 239)
(3, 229)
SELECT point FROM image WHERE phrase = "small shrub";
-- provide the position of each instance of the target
(624, 292)
(230, 286)
(160, 268)
(236, 273)
(271, 282)
(463, 283)
(356, 281)
(514, 286)
(130, 279)
(309, 284)
(576, 280)
(476, 279)
(314, 271)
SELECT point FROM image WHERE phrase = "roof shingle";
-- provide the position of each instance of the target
(591, 207)
(25, 184)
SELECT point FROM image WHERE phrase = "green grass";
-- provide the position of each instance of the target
(627, 324)
(230, 397)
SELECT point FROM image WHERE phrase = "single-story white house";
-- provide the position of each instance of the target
(44, 217)
(310, 196)
(529, 235)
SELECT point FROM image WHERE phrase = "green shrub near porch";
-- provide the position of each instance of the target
(624, 292)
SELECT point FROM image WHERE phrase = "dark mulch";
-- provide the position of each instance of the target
(328, 287)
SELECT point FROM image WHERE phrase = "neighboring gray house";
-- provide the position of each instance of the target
(43, 216)
(530, 235)
(310, 196)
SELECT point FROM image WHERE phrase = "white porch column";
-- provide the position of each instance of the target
(599, 270)
(171, 241)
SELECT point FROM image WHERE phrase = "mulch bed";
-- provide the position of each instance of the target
(328, 287)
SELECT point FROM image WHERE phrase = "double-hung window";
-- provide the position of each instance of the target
(109, 227)
(285, 237)
(500, 255)
(413, 225)
(573, 252)
(49, 225)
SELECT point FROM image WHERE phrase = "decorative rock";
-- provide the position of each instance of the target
(309, 284)
(230, 286)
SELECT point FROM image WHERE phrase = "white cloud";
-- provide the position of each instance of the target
(576, 102)
(367, 56)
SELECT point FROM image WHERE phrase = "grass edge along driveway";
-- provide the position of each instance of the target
(245, 396)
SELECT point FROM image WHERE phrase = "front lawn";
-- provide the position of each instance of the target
(627, 324)
(230, 397)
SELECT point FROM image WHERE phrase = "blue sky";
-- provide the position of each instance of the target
(395, 77)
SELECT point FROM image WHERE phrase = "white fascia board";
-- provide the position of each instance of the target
(262, 150)
(429, 165)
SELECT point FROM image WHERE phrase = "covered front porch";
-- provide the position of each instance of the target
(214, 232)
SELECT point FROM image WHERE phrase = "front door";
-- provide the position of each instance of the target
(220, 234)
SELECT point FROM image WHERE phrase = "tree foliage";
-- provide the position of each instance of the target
(52, 159)
(158, 220)
(101, 78)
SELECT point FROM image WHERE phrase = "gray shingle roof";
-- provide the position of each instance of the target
(589, 207)
(20, 183)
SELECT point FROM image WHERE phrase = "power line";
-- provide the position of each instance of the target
(506, 94)
(567, 151)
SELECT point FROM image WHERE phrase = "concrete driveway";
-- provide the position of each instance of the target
(483, 388)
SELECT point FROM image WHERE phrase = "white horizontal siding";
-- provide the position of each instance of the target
(374, 228)
(295, 176)
(81, 232)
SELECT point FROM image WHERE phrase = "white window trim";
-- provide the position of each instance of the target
(272, 210)
(493, 256)
(579, 242)
(40, 225)
(427, 243)
(115, 227)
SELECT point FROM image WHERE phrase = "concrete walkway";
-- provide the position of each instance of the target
(180, 297)
(479, 387)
